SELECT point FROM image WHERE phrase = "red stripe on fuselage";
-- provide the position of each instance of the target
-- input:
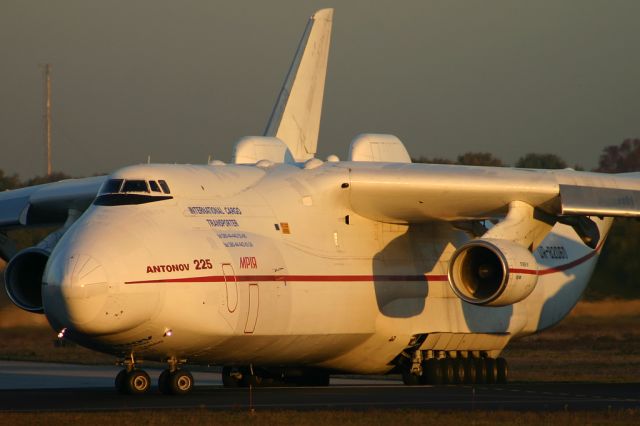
(300, 278)
(559, 268)
(359, 278)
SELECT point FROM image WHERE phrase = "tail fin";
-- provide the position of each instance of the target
(296, 115)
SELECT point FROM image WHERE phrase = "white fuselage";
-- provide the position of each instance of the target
(248, 265)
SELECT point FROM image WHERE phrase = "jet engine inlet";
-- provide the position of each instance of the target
(23, 279)
(492, 272)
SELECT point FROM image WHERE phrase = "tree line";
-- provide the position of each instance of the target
(615, 275)
(14, 182)
(528, 161)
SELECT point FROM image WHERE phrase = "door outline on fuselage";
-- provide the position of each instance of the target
(254, 306)
(231, 286)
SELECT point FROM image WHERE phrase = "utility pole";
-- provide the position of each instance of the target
(46, 113)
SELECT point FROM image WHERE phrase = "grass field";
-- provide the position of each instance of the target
(598, 341)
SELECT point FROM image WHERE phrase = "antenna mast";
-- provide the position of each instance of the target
(46, 113)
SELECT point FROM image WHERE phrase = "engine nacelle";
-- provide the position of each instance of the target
(492, 272)
(23, 278)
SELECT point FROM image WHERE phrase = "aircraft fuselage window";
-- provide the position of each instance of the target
(164, 186)
(112, 186)
(154, 186)
(135, 186)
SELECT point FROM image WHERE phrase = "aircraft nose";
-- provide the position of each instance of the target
(75, 289)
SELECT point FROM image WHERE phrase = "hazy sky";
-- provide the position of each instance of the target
(182, 80)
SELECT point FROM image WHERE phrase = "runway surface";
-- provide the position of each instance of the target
(60, 387)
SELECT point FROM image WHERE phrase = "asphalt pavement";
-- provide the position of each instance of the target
(26, 386)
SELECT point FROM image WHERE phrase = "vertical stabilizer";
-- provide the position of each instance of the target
(296, 116)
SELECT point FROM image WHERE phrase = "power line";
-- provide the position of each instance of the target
(46, 114)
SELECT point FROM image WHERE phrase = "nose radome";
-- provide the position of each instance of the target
(84, 278)
(77, 287)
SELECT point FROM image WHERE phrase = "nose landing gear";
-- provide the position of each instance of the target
(133, 381)
(177, 382)
(172, 381)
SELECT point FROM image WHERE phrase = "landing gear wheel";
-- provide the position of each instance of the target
(121, 382)
(481, 370)
(446, 364)
(503, 370)
(492, 370)
(410, 379)
(163, 382)
(231, 377)
(469, 371)
(459, 371)
(180, 382)
(432, 372)
(137, 382)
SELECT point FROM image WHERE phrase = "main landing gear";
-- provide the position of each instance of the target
(445, 371)
(245, 376)
(172, 381)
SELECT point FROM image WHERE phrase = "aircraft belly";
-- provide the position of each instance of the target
(278, 349)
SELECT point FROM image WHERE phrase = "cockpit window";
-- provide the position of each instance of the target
(135, 186)
(112, 186)
(164, 186)
(119, 192)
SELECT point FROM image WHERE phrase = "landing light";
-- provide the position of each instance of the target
(62, 333)
(168, 332)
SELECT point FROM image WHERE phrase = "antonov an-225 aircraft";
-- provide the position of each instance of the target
(284, 268)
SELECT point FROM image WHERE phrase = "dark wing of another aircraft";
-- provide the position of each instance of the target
(46, 204)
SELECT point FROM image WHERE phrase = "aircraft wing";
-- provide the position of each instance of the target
(48, 203)
(410, 193)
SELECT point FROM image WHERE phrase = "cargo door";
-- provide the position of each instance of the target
(254, 305)
(231, 285)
